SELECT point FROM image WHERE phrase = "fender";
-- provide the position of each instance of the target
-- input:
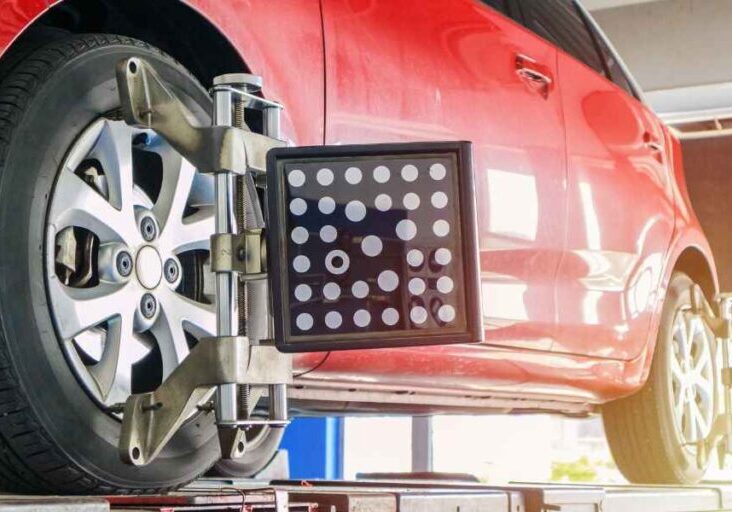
(296, 77)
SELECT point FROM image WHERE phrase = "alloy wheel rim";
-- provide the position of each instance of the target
(120, 258)
(692, 378)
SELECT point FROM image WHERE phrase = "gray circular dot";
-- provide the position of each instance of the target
(409, 173)
(446, 313)
(354, 175)
(417, 286)
(300, 235)
(382, 202)
(406, 229)
(443, 256)
(326, 205)
(362, 318)
(445, 284)
(372, 246)
(298, 206)
(438, 171)
(333, 320)
(390, 316)
(441, 228)
(337, 262)
(418, 314)
(301, 264)
(411, 201)
(328, 234)
(382, 174)
(331, 291)
(388, 280)
(360, 289)
(325, 177)
(415, 258)
(296, 178)
(303, 292)
(355, 211)
(439, 200)
(304, 321)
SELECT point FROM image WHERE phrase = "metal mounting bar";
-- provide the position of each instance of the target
(151, 419)
(148, 103)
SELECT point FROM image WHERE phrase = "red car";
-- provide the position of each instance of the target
(589, 247)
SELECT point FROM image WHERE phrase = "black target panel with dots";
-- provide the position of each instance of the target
(373, 246)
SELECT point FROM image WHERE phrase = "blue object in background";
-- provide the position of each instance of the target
(315, 448)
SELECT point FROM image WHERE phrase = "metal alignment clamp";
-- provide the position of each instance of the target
(238, 362)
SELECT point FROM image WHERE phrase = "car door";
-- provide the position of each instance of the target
(619, 203)
(417, 70)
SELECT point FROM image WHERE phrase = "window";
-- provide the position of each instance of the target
(617, 74)
(498, 5)
(559, 22)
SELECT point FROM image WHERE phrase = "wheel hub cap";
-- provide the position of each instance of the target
(149, 267)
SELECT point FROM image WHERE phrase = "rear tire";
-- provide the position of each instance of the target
(53, 436)
(647, 437)
(262, 446)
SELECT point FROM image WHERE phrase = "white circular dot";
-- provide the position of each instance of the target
(409, 173)
(388, 280)
(417, 286)
(411, 201)
(446, 313)
(438, 172)
(355, 211)
(445, 284)
(443, 256)
(439, 200)
(301, 264)
(382, 174)
(325, 177)
(406, 229)
(333, 320)
(331, 291)
(298, 206)
(304, 321)
(382, 202)
(296, 178)
(418, 314)
(360, 289)
(362, 318)
(415, 258)
(337, 262)
(303, 292)
(326, 205)
(353, 175)
(300, 235)
(328, 234)
(372, 246)
(390, 316)
(441, 228)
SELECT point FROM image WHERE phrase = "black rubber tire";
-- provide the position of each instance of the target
(640, 429)
(53, 436)
(257, 456)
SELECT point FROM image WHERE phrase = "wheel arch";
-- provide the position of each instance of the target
(204, 50)
(694, 263)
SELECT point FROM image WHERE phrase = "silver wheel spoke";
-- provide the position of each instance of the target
(113, 373)
(180, 314)
(177, 182)
(113, 150)
(78, 309)
(80, 205)
(193, 233)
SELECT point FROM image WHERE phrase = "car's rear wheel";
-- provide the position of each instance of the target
(653, 434)
(103, 274)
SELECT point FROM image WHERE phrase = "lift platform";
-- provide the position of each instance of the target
(394, 496)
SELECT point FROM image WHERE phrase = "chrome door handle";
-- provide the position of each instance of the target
(654, 146)
(531, 72)
(534, 76)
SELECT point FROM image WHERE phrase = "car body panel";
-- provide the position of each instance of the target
(380, 70)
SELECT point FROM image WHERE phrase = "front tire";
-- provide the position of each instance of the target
(652, 433)
(56, 436)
